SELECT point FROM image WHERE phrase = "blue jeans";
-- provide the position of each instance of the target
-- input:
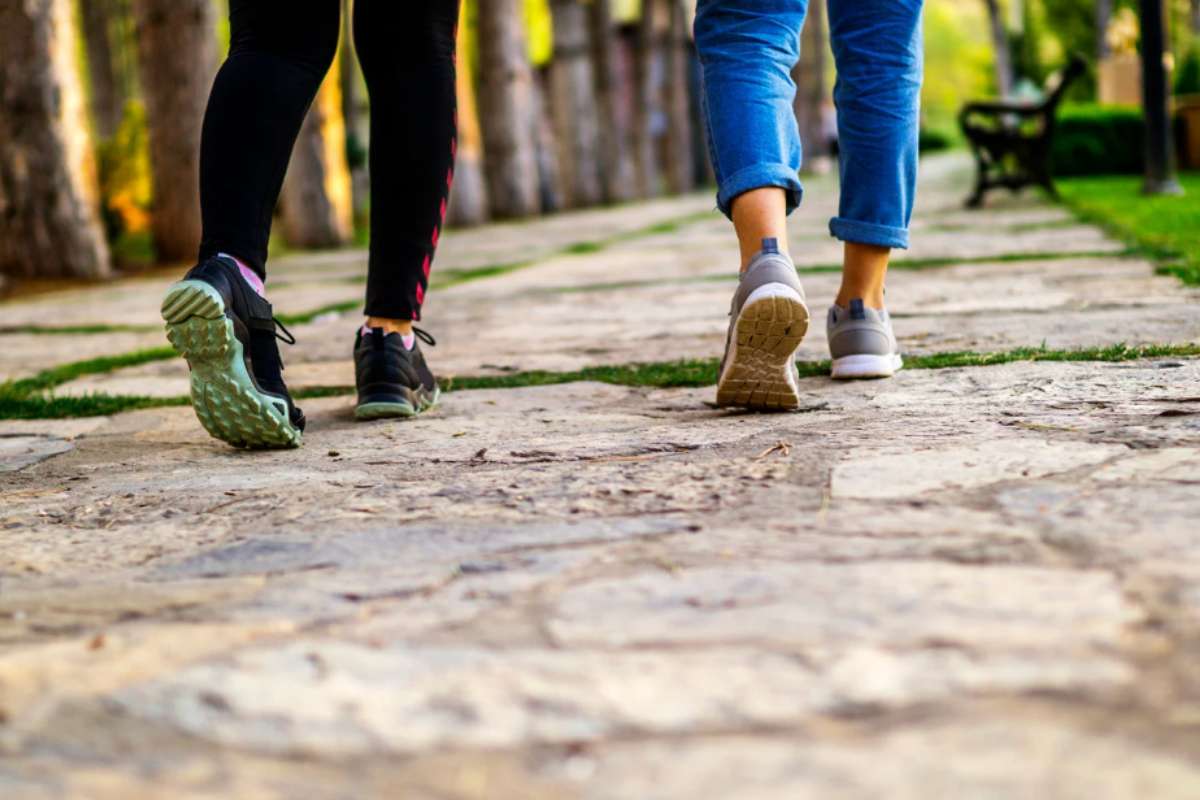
(747, 50)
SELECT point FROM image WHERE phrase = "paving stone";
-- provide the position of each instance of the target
(909, 474)
(1055, 761)
(587, 590)
(897, 604)
(501, 698)
(20, 451)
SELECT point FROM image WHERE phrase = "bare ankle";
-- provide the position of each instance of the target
(400, 326)
(872, 298)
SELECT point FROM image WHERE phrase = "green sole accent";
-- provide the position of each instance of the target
(402, 410)
(223, 394)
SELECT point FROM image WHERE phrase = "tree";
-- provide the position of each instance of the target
(351, 85)
(646, 104)
(49, 225)
(506, 110)
(616, 176)
(468, 193)
(107, 88)
(1000, 47)
(679, 162)
(573, 105)
(812, 93)
(316, 201)
(177, 60)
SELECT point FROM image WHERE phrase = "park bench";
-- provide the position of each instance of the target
(1011, 139)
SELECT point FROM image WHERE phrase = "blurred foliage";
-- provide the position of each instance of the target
(124, 169)
(1097, 140)
(958, 61)
(1187, 80)
(933, 141)
(540, 30)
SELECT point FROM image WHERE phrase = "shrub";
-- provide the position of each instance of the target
(1188, 81)
(932, 141)
(1097, 140)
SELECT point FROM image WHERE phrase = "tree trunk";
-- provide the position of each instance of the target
(680, 175)
(468, 193)
(573, 105)
(1000, 46)
(107, 90)
(551, 187)
(617, 176)
(1104, 9)
(646, 66)
(49, 222)
(177, 59)
(316, 204)
(356, 137)
(506, 110)
(1195, 16)
(811, 89)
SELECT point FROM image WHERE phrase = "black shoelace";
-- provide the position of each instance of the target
(424, 336)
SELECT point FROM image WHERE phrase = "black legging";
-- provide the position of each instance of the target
(279, 53)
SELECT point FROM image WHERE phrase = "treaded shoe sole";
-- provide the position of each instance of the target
(225, 398)
(759, 372)
(396, 409)
(866, 366)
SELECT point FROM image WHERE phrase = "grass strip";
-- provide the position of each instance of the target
(62, 330)
(1165, 228)
(686, 373)
(56, 376)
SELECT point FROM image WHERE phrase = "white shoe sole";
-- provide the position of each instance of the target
(866, 366)
(758, 368)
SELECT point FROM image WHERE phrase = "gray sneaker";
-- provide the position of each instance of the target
(861, 342)
(767, 321)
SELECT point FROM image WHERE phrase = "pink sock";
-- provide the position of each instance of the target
(250, 275)
(409, 339)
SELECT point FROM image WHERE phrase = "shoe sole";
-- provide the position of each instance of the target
(401, 410)
(224, 397)
(759, 371)
(865, 366)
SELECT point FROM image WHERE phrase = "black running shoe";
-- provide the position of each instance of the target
(228, 335)
(393, 381)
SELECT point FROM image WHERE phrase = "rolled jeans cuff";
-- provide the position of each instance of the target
(758, 177)
(849, 230)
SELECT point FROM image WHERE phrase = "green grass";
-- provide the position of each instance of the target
(26, 399)
(56, 376)
(1166, 228)
(62, 330)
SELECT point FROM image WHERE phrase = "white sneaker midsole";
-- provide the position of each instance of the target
(866, 366)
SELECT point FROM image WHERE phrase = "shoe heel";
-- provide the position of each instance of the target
(769, 329)
(188, 299)
(224, 397)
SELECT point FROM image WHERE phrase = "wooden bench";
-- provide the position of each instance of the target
(1011, 139)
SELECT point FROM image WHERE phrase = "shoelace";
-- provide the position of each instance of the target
(288, 338)
(424, 336)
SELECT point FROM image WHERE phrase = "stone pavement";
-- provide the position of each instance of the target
(977, 581)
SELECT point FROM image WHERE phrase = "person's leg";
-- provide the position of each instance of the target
(217, 316)
(747, 49)
(279, 51)
(877, 48)
(407, 56)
